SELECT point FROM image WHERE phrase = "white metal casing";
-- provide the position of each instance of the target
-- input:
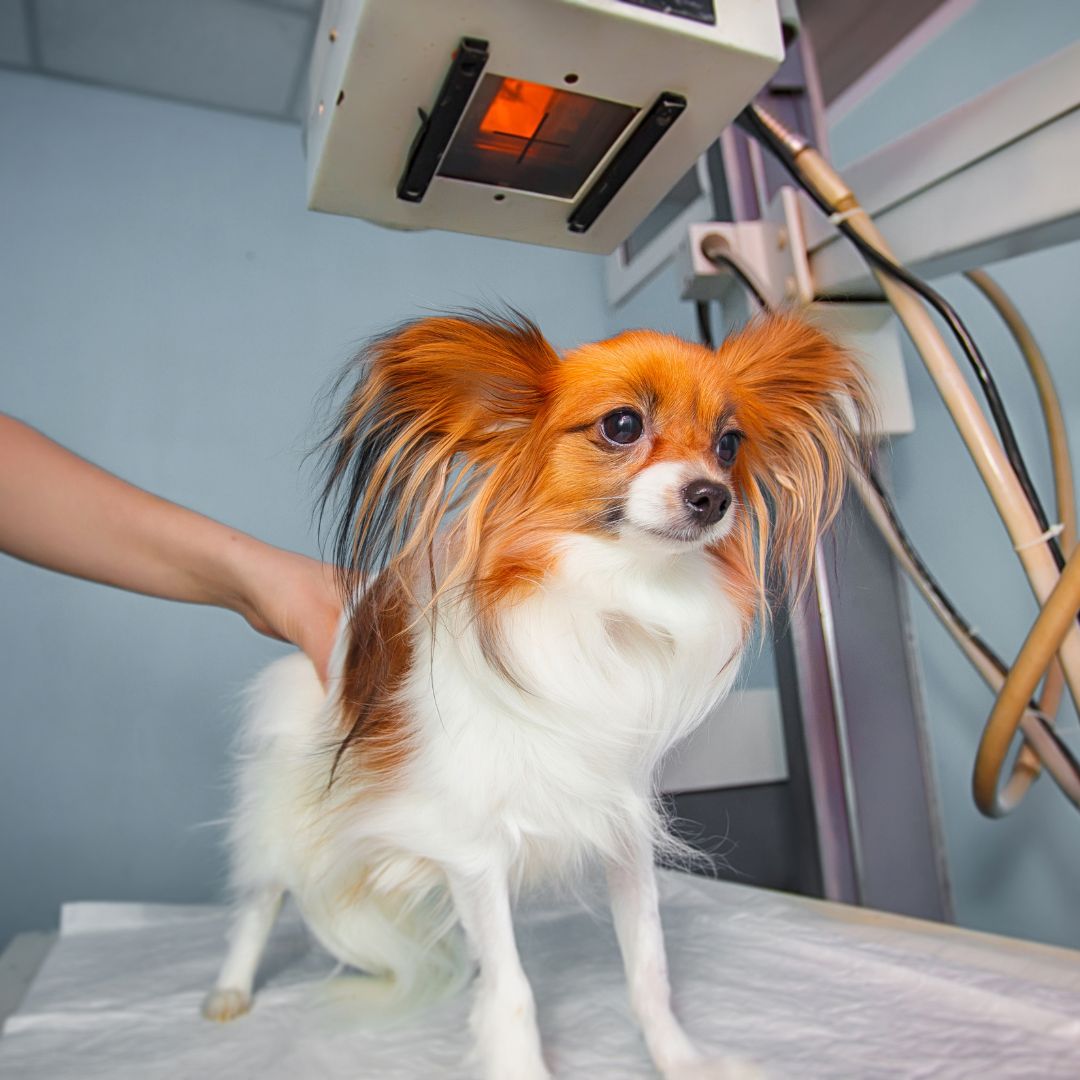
(757, 247)
(376, 62)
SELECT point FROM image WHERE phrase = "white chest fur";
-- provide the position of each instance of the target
(617, 657)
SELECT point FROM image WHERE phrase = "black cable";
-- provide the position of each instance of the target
(704, 324)
(720, 258)
(750, 122)
(924, 571)
(982, 372)
(841, 298)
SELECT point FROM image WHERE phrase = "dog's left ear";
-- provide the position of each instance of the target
(805, 407)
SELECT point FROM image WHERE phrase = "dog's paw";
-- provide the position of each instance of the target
(728, 1068)
(223, 1005)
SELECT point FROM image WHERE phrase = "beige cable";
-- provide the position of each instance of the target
(1049, 402)
(1060, 458)
(987, 452)
(990, 459)
(1055, 620)
(985, 449)
(989, 456)
(1039, 746)
(1012, 505)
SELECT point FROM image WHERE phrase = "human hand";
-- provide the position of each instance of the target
(289, 597)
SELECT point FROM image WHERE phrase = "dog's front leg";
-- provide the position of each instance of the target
(635, 907)
(231, 995)
(503, 1014)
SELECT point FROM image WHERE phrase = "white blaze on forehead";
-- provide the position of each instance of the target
(654, 501)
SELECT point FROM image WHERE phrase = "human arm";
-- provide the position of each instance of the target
(63, 513)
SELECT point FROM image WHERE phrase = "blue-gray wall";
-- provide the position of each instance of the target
(170, 310)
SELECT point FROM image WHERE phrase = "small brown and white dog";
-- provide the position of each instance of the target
(557, 562)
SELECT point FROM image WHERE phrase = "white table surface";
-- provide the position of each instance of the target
(806, 989)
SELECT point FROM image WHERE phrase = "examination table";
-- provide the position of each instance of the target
(805, 988)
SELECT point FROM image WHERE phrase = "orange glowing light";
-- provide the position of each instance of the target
(518, 108)
(529, 137)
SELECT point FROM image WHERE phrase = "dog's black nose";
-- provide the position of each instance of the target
(708, 502)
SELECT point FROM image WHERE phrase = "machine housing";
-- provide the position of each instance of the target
(555, 122)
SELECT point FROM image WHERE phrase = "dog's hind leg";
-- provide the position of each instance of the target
(231, 995)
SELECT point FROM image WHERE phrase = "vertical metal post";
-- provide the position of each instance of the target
(899, 850)
(810, 699)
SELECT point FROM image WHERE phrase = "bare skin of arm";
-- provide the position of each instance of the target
(63, 513)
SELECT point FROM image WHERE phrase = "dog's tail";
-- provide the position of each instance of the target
(402, 951)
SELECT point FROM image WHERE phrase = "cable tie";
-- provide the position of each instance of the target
(840, 216)
(1042, 538)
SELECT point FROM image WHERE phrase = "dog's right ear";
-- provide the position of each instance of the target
(806, 409)
(437, 404)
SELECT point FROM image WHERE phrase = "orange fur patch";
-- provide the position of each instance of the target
(373, 723)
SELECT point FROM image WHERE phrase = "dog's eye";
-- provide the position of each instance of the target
(622, 427)
(728, 447)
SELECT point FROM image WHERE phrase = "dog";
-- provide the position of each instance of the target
(554, 564)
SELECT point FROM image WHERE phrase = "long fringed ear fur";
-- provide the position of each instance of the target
(436, 408)
(806, 410)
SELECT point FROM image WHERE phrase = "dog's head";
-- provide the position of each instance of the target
(468, 450)
(475, 425)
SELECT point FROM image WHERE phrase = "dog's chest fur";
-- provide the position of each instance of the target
(616, 657)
